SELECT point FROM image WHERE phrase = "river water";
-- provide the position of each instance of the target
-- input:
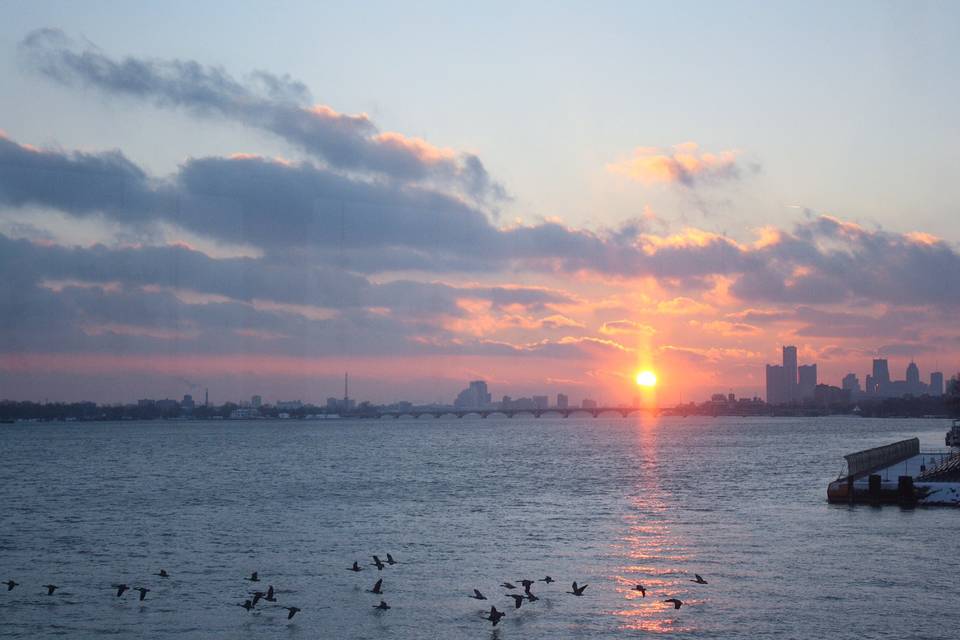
(464, 504)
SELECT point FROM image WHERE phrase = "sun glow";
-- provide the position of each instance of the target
(646, 379)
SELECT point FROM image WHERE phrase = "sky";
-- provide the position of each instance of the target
(256, 198)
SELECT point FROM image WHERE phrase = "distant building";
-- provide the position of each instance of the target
(828, 396)
(288, 405)
(541, 402)
(524, 404)
(775, 386)
(146, 403)
(587, 403)
(562, 401)
(475, 396)
(167, 404)
(256, 402)
(806, 381)
(187, 403)
(881, 377)
(936, 383)
(790, 373)
(339, 404)
(852, 384)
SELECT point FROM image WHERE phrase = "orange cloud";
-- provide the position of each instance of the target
(421, 149)
(683, 164)
(626, 327)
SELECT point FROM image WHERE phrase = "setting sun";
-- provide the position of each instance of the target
(646, 379)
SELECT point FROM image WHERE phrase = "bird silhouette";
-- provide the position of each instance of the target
(376, 587)
(11, 584)
(120, 589)
(270, 597)
(292, 611)
(377, 563)
(383, 606)
(355, 567)
(246, 605)
(578, 591)
(517, 599)
(507, 585)
(494, 616)
(478, 596)
(163, 573)
(531, 597)
(548, 580)
(676, 602)
(143, 592)
(256, 597)
(390, 559)
(526, 584)
(699, 579)
(254, 577)
(50, 588)
(642, 590)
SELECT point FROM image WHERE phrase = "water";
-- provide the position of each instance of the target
(466, 504)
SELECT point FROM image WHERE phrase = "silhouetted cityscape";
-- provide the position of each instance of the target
(790, 382)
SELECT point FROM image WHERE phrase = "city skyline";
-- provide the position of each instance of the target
(178, 206)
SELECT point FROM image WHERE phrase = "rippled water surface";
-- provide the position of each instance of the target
(465, 504)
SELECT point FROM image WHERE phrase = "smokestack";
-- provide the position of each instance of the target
(346, 395)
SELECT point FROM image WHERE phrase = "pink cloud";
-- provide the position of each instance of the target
(683, 164)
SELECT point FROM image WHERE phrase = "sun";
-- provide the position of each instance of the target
(646, 379)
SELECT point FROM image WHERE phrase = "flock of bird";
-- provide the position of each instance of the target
(494, 615)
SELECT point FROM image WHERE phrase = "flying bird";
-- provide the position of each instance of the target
(642, 589)
(531, 597)
(355, 567)
(376, 587)
(676, 602)
(50, 588)
(256, 597)
(390, 559)
(494, 616)
(11, 584)
(507, 585)
(163, 573)
(292, 611)
(383, 606)
(548, 580)
(477, 595)
(526, 584)
(246, 605)
(120, 589)
(378, 563)
(578, 591)
(143, 592)
(517, 599)
(699, 579)
(270, 597)
(254, 577)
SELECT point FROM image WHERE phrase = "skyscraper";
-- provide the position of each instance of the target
(806, 381)
(775, 384)
(562, 401)
(881, 376)
(852, 384)
(936, 383)
(790, 373)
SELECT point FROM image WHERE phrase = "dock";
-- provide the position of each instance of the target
(899, 473)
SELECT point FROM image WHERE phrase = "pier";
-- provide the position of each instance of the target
(899, 473)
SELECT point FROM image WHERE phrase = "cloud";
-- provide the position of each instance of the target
(684, 164)
(277, 104)
(626, 327)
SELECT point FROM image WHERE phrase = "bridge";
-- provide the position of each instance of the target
(508, 413)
